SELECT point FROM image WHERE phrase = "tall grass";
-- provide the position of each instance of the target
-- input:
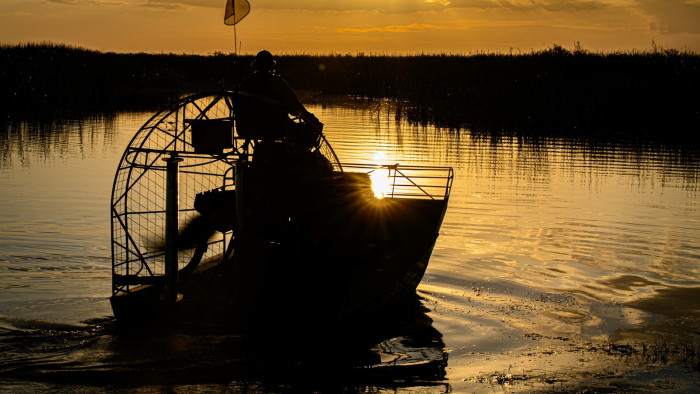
(551, 91)
(49, 78)
(554, 91)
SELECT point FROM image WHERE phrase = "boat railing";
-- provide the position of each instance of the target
(407, 181)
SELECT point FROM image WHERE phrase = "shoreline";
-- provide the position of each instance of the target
(648, 95)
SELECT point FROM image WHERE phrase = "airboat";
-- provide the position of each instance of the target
(214, 225)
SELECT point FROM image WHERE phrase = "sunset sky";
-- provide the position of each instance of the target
(351, 26)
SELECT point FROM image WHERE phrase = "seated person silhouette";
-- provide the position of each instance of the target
(267, 100)
(285, 173)
(286, 170)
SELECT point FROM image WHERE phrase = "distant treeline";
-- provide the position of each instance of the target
(649, 94)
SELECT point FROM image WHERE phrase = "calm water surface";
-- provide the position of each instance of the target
(551, 251)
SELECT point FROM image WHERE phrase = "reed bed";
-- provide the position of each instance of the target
(649, 94)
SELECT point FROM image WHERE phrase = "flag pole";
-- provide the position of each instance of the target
(230, 17)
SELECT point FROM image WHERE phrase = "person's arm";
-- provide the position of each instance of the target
(289, 98)
(294, 105)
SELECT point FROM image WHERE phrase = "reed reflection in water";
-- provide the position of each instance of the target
(546, 242)
(54, 201)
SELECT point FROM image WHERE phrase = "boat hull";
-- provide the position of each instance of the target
(373, 258)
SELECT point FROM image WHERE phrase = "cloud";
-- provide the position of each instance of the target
(672, 16)
(537, 5)
(186, 3)
(390, 7)
(410, 28)
(404, 6)
(170, 4)
(417, 6)
(92, 2)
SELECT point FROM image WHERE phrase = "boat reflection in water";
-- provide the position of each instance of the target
(401, 350)
(215, 227)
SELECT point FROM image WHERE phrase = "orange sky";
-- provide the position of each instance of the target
(345, 26)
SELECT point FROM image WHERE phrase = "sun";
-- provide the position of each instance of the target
(380, 182)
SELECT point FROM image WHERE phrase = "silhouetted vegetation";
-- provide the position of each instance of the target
(647, 94)
(46, 79)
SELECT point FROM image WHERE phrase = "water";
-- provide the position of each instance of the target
(560, 264)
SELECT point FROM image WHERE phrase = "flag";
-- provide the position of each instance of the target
(235, 11)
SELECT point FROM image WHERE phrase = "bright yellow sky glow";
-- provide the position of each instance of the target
(345, 26)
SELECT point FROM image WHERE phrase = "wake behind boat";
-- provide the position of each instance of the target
(219, 221)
